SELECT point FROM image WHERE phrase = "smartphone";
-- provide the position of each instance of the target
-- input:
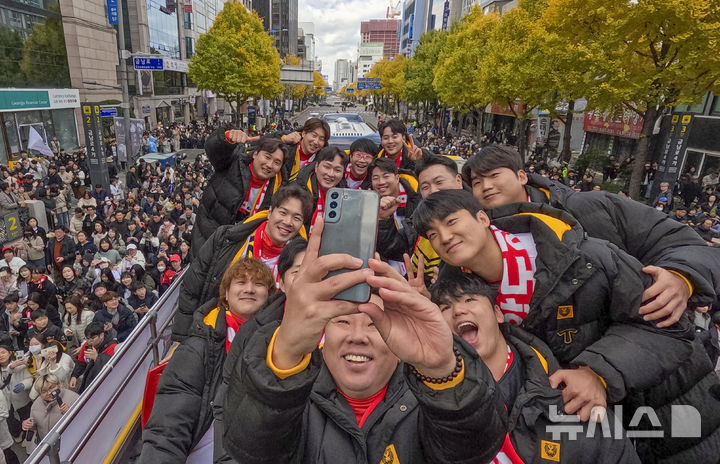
(351, 225)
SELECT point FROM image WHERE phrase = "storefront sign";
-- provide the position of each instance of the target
(94, 145)
(628, 125)
(20, 100)
(507, 111)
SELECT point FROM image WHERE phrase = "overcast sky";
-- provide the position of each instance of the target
(337, 27)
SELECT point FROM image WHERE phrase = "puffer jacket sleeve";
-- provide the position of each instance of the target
(168, 435)
(219, 151)
(391, 242)
(651, 237)
(264, 414)
(463, 424)
(633, 354)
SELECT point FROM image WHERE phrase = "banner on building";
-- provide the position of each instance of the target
(446, 15)
(187, 6)
(628, 125)
(94, 145)
(112, 11)
(677, 128)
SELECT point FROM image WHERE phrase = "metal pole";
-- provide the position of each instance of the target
(125, 105)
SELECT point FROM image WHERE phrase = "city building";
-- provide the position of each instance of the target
(488, 6)
(343, 73)
(280, 18)
(307, 30)
(384, 31)
(416, 19)
(369, 53)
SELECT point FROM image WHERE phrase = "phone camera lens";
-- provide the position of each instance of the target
(333, 204)
(332, 214)
(334, 195)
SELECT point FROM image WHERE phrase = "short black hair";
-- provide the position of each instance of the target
(12, 297)
(295, 191)
(435, 160)
(288, 254)
(396, 127)
(38, 313)
(440, 205)
(94, 328)
(271, 145)
(330, 153)
(384, 164)
(490, 158)
(364, 145)
(460, 284)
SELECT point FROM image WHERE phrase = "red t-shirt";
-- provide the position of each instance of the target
(364, 407)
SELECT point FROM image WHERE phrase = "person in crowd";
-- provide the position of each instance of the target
(706, 232)
(95, 352)
(35, 246)
(17, 381)
(108, 252)
(43, 327)
(13, 321)
(84, 246)
(142, 277)
(115, 315)
(262, 237)
(181, 413)
(46, 410)
(75, 319)
(8, 282)
(99, 232)
(520, 364)
(33, 224)
(336, 401)
(679, 263)
(116, 241)
(398, 199)
(582, 298)
(398, 145)
(70, 285)
(325, 172)
(242, 185)
(141, 300)
(59, 250)
(23, 282)
(362, 152)
(132, 257)
(51, 359)
(10, 260)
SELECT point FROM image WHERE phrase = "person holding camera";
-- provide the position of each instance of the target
(47, 409)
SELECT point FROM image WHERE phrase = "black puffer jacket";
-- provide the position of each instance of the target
(602, 287)
(226, 188)
(182, 412)
(392, 241)
(202, 279)
(303, 419)
(537, 410)
(646, 234)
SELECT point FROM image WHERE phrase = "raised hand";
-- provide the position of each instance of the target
(416, 281)
(292, 138)
(411, 325)
(310, 305)
(414, 152)
(238, 136)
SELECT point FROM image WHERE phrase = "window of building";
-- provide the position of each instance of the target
(188, 47)
(187, 17)
(201, 23)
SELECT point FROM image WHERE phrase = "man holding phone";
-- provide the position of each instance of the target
(261, 236)
(97, 350)
(282, 404)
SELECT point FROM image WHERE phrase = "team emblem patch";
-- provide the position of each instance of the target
(565, 312)
(550, 450)
(390, 455)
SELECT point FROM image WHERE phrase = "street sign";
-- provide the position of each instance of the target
(112, 10)
(148, 64)
(108, 112)
(94, 146)
(368, 79)
(349, 90)
(369, 86)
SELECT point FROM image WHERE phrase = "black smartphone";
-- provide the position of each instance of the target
(351, 224)
(56, 394)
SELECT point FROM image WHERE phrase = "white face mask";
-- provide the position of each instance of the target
(161, 268)
(35, 349)
(659, 208)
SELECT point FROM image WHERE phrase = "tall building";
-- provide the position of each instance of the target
(417, 18)
(343, 73)
(369, 53)
(384, 31)
(308, 31)
(489, 6)
(280, 18)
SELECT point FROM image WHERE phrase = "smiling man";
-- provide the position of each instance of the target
(241, 186)
(362, 152)
(303, 145)
(580, 296)
(261, 236)
(326, 172)
(182, 413)
(398, 146)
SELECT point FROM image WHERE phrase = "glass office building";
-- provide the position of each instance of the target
(163, 28)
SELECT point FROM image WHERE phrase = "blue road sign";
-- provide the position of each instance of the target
(368, 79)
(112, 10)
(369, 86)
(108, 112)
(148, 64)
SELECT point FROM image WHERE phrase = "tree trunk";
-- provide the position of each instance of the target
(522, 138)
(641, 150)
(565, 154)
(481, 116)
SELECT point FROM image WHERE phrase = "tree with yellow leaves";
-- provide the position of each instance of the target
(236, 58)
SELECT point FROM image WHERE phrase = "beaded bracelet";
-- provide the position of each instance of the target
(455, 372)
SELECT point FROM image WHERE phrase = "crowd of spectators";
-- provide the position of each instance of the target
(74, 290)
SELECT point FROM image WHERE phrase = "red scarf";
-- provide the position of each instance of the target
(303, 158)
(507, 454)
(518, 282)
(352, 181)
(233, 326)
(264, 248)
(364, 407)
(320, 205)
(398, 159)
(249, 205)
